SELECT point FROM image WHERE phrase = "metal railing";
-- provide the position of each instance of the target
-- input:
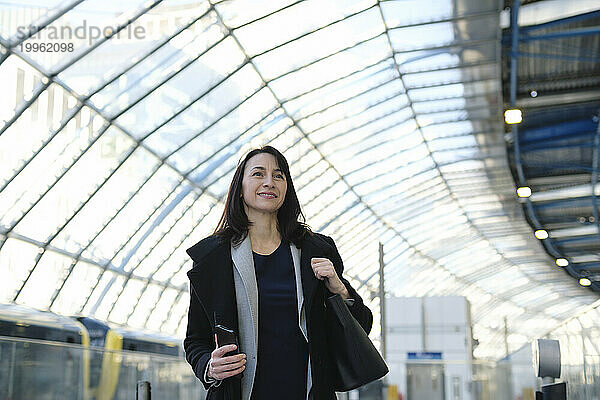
(41, 370)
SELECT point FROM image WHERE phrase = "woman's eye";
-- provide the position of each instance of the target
(256, 174)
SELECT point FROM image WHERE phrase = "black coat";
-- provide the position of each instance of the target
(212, 293)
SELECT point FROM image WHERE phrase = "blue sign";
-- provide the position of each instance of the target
(425, 355)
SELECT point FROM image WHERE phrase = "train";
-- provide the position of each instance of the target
(48, 356)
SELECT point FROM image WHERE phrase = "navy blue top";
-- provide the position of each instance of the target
(282, 350)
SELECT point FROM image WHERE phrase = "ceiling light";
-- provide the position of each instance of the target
(513, 116)
(562, 262)
(541, 234)
(585, 282)
(524, 191)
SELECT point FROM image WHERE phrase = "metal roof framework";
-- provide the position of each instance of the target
(117, 154)
(555, 81)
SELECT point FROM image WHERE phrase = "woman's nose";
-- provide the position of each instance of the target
(268, 181)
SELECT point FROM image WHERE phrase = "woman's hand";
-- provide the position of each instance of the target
(324, 270)
(221, 367)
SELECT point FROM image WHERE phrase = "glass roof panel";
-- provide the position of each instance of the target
(67, 187)
(453, 90)
(448, 129)
(126, 301)
(354, 106)
(161, 226)
(443, 34)
(178, 54)
(452, 143)
(109, 297)
(181, 91)
(88, 223)
(38, 127)
(161, 310)
(378, 119)
(192, 150)
(144, 305)
(282, 27)
(87, 24)
(16, 261)
(82, 279)
(353, 216)
(225, 160)
(240, 12)
(416, 152)
(447, 57)
(448, 76)
(398, 167)
(364, 220)
(111, 63)
(177, 315)
(321, 72)
(92, 298)
(434, 106)
(150, 198)
(19, 78)
(395, 11)
(390, 192)
(17, 15)
(44, 279)
(317, 169)
(341, 89)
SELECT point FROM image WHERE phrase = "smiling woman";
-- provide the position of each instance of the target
(252, 277)
(263, 186)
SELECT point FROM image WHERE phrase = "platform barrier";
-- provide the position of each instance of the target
(31, 369)
(583, 380)
(480, 380)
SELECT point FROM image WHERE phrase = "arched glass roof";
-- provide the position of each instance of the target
(121, 124)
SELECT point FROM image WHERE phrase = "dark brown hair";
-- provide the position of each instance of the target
(234, 223)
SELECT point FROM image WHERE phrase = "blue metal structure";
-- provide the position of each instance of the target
(554, 151)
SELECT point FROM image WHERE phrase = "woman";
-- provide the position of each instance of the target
(266, 276)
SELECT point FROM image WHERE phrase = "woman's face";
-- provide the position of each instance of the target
(264, 185)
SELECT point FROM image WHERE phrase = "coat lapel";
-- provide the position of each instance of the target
(208, 280)
(244, 264)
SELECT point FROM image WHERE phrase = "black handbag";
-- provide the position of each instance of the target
(355, 360)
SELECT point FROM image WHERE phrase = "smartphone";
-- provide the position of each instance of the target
(227, 336)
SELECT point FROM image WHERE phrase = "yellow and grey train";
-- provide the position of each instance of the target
(48, 356)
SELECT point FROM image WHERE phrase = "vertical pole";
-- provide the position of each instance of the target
(143, 391)
(506, 337)
(423, 326)
(514, 51)
(382, 299)
(585, 377)
(595, 171)
(514, 56)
